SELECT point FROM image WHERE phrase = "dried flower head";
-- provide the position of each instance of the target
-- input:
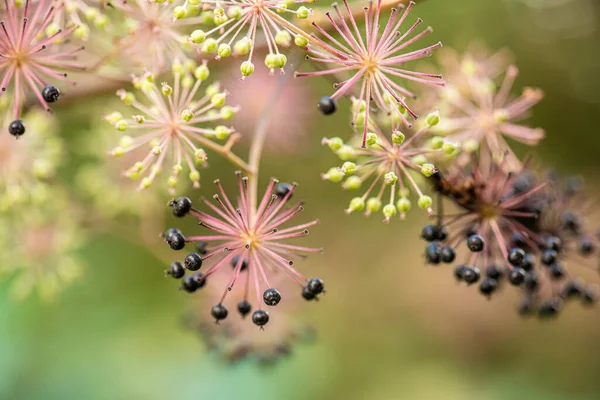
(237, 25)
(375, 60)
(39, 248)
(484, 115)
(250, 240)
(27, 165)
(498, 220)
(33, 51)
(234, 339)
(393, 163)
(171, 124)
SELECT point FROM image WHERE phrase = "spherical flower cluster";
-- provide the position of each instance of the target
(498, 222)
(171, 124)
(250, 240)
(390, 163)
(33, 51)
(373, 60)
(237, 25)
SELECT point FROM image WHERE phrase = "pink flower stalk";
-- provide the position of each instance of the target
(31, 51)
(487, 113)
(374, 59)
(252, 241)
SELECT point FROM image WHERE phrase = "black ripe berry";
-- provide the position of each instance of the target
(193, 262)
(553, 243)
(235, 260)
(433, 253)
(488, 286)
(50, 93)
(458, 272)
(271, 297)
(176, 270)
(549, 257)
(176, 240)
(475, 243)
(326, 105)
(315, 286)
(282, 189)
(170, 232)
(586, 246)
(181, 206)
(557, 271)
(531, 281)
(260, 317)
(441, 233)
(16, 128)
(549, 308)
(528, 262)
(200, 279)
(516, 256)
(201, 248)
(470, 275)
(429, 233)
(189, 284)
(493, 271)
(526, 306)
(307, 294)
(571, 289)
(516, 276)
(244, 307)
(589, 296)
(219, 312)
(571, 222)
(448, 255)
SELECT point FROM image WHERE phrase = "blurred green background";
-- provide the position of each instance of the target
(389, 327)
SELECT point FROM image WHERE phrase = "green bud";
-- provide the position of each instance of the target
(219, 17)
(389, 211)
(356, 204)
(283, 38)
(335, 143)
(403, 205)
(198, 36)
(127, 97)
(222, 132)
(187, 81)
(334, 175)
(224, 50)
(352, 183)
(194, 2)
(433, 119)
(419, 159)
(194, 176)
(187, 115)
(209, 46)
(202, 73)
(348, 168)
(166, 89)
(218, 100)
(247, 68)
(82, 32)
(302, 12)
(300, 41)
(179, 12)
(425, 202)
(398, 137)
(121, 125)
(345, 152)
(437, 142)
(242, 46)
(207, 17)
(189, 66)
(501, 115)
(371, 139)
(125, 141)
(373, 204)
(470, 146)
(156, 150)
(114, 117)
(449, 147)
(428, 169)
(145, 183)
(227, 112)
(390, 178)
(270, 60)
(235, 12)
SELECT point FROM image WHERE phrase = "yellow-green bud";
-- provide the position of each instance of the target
(121, 125)
(219, 17)
(145, 183)
(373, 204)
(437, 142)
(179, 12)
(398, 137)
(187, 81)
(234, 12)
(334, 175)
(127, 97)
(433, 119)
(207, 17)
(187, 115)
(389, 211)
(335, 143)
(52, 29)
(425, 202)
(247, 68)
(200, 155)
(302, 12)
(222, 132)
(300, 41)
(403, 205)
(218, 99)
(356, 204)
(371, 139)
(470, 146)
(242, 46)
(82, 32)
(428, 169)
(449, 147)
(198, 36)
(202, 73)
(114, 117)
(156, 150)
(390, 178)
(348, 168)
(501, 115)
(209, 46)
(345, 152)
(194, 176)
(224, 50)
(194, 2)
(270, 60)
(352, 183)
(283, 38)
(166, 89)
(227, 112)
(212, 89)
(125, 141)
(419, 159)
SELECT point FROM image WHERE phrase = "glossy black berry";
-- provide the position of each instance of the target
(549, 308)
(493, 271)
(170, 232)
(516, 256)
(193, 261)
(517, 240)
(219, 312)
(282, 189)
(307, 294)
(528, 262)
(433, 253)
(571, 222)
(181, 206)
(526, 307)
(176, 240)
(200, 279)
(571, 289)
(50, 93)
(235, 260)
(488, 286)
(589, 296)
(201, 248)
(531, 281)
(448, 255)
(458, 272)
(549, 257)
(470, 275)
(326, 105)
(557, 271)
(271, 297)
(475, 243)
(176, 270)
(244, 307)
(260, 317)
(316, 286)
(516, 276)
(553, 243)
(441, 233)
(586, 246)
(190, 284)
(16, 128)
(429, 233)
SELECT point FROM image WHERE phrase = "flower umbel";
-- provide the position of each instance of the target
(169, 124)
(251, 241)
(375, 60)
(32, 52)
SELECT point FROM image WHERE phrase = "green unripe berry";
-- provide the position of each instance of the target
(425, 202)
(335, 143)
(302, 12)
(345, 152)
(373, 204)
(121, 125)
(247, 68)
(194, 176)
(428, 169)
(389, 211)
(212, 89)
(227, 112)
(334, 175)
(433, 119)
(398, 137)
(209, 46)
(202, 73)
(283, 38)
(437, 142)
(348, 168)
(390, 178)
(218, 100)
(371, 139)
(419, 159)
(356, 204)
(187, 115)
(234, 12)
(166, 89)
(224, 50)
(403, 205)
(300, 41)
(179, 12)
(449, 147)
(352, 183)
(198, 36)
(242, 46)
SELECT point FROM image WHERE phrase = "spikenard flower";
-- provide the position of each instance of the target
(497, 218)
(239, 25)
(483, 116)
(235, 340)
(26, 166)
(249, 239)
(33, 51)
(81, 13)
(393, 163)
(38, 247)
(172, 124)
(373, 61)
